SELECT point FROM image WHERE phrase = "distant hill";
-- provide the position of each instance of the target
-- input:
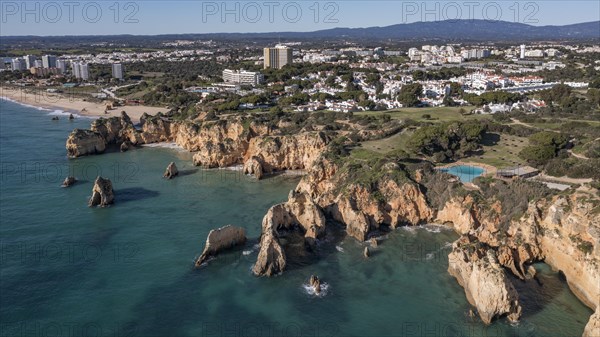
(452, 30)
(480, 30)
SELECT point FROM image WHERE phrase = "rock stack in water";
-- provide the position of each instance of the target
(69, 181)
(221, 239)
(315, 283)
(367, 253)
(171, 171)
(102, 193)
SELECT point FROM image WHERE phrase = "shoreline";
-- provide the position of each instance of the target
(60, 104)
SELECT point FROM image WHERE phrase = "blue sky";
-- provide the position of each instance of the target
(166, 17)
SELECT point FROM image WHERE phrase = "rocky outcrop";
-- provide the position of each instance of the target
(222, 143)
(85, 142)
(102, 193)
(171, 171)
(69, 181)
(124, 147)
(293, 152)
(485, 282)
(221, 239)
(563, 231)
(298, 214)
(271, 258)
(254, 167)
(315, 283)
(103, 132)
(361, 207)
(592, 329)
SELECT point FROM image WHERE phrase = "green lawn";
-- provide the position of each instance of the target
(395, 142)
(501, 150)
(439, 114)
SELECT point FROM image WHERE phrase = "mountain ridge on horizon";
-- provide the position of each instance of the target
(466, 30)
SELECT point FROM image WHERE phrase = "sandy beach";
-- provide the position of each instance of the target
(75, 105)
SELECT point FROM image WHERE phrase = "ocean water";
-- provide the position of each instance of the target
(127, 270)
(465, 173)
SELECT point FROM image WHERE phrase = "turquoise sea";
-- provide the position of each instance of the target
(127, 270)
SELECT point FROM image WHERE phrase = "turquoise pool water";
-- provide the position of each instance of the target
(465, 173)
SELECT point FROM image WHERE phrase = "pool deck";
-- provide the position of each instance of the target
(487, 169)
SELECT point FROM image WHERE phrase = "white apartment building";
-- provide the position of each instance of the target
(242, 77)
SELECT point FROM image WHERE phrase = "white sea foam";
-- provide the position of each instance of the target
(250, 251)
(173, 146)
(56, 112)
(339, 249)
(308, 289)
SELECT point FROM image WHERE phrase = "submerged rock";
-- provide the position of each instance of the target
(55, 118)
(315, 283)
(69, 181)
(171, 171)
(102, 193)
(221, 239)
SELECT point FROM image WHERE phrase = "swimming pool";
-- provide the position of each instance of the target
(465, 173)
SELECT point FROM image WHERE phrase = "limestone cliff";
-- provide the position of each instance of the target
(326, 192)
(364, 204)
(85, 142)
(221, 143)
(486, 284)
(562, 231)
(592, 329)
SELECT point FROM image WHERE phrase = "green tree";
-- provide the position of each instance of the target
(409, 94)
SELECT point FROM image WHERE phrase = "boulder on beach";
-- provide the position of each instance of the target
(69, 181)
(171, 171)
(102, 193)
(221, 239)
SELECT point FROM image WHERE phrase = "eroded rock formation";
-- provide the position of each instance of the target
(102, 193)
(221, 239)
(298, 214)
(85, 142)
(171, 171)
(254, 167)
(315, 283)
(486, 284)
